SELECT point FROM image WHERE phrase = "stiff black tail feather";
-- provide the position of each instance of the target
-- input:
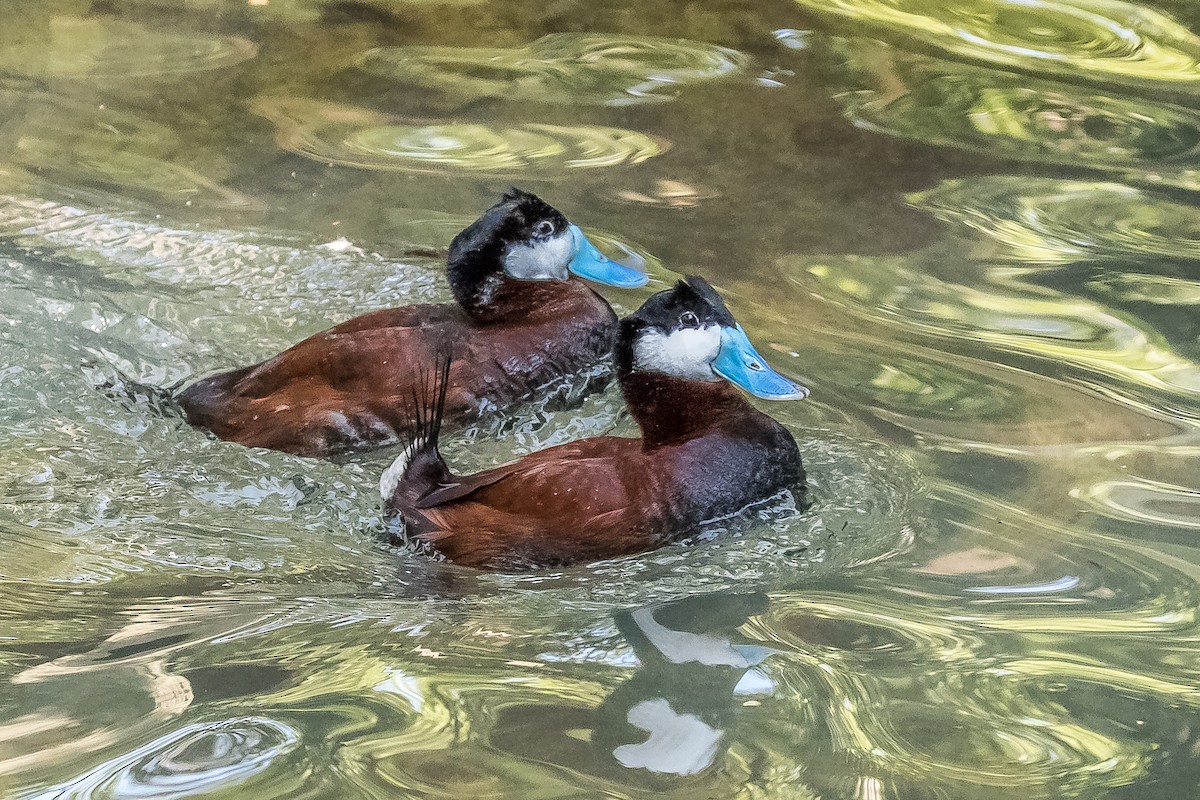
(419, 469)
(428, 406)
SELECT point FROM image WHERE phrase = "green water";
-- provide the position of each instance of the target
(972, 228)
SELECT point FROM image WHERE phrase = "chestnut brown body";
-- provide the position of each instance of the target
(706, 452)
(354, 386)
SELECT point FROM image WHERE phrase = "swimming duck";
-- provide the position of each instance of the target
(705, 452)
(521, 322)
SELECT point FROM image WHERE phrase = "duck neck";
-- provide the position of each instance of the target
(670, 410)
(490, 296)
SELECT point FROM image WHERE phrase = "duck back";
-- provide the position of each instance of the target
(352, 387)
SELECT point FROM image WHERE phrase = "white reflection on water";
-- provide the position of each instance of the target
(1146, 501)
(195, 759)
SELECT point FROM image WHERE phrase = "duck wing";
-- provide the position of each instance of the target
(599, 498)
(562, 474)
(360, 351)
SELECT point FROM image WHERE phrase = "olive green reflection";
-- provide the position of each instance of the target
(1044, 324)
(1161, 290)
(105, 147)
(1015, 116)
(983, 732)
(1105, 41)
(358, 137)
(1146, 501)
(1057, 221)
(105, 48)
(600, 69)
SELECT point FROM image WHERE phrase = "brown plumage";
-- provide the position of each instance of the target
(705, 452)
(347, 388)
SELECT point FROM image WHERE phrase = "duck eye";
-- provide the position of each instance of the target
(543, 229)
(689, 320)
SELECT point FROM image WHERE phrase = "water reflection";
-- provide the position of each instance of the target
(105, 49)
(102, 147)
(678, 712)
(357, 137)
(1107, 41)
(196, 759)
(561, 68)
(1158, 289)
(986, 408)
(1146, 501)
(1055, 221)
(1014, 116)
(1044, 324)
(677, 715)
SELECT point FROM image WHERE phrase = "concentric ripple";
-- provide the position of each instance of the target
(196, 759)
(1106, 41)
(106, 49)
(1012, 116)
(357, 137)
(571, 68)
(1049, 221)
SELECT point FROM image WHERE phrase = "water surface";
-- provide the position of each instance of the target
(971, 228)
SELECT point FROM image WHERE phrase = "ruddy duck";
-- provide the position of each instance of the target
(705, 452)
(521, 323)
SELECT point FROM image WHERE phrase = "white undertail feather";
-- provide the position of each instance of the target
(425, 424)
(544, 260)
(391, 476)
(685, 353)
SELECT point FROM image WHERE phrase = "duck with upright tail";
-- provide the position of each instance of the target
(522, 322)
(705, 452)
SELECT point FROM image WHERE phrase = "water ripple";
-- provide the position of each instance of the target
(1145, 501)
(125, 253)
(1106, 41)
(960, 724)
(1053, 221)
(1012, 116)
(196, 759)
(105, 147)
(105, 49)
(601, 69)
(1047, 325)
(1158, 289)
(357, 137)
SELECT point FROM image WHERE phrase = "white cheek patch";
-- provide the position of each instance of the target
(686, 353)
(544, 260)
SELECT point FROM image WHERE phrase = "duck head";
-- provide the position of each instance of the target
(687, 332)
(524, 238)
